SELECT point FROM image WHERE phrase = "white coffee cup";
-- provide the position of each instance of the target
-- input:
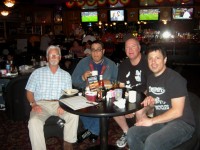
(132, 96)
(94, 73)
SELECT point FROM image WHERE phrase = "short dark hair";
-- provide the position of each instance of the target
(133, 38)
(98, 42)
(152, 48)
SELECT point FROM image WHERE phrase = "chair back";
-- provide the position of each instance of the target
(195, 104)
(194, 142)
(17, 107)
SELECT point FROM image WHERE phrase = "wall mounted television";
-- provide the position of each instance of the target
(117, 15)
(152, 14)
(182, 13)
(89, 16)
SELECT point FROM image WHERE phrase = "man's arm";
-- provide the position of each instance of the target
(78, 77)
(30, 97)
(175, 112)
(35, 107)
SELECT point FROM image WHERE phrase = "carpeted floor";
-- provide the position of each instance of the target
(14, 135)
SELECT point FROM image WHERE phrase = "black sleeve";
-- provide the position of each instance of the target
(177, 86)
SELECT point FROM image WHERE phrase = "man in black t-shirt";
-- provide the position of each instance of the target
(167, 96)
(132, 74)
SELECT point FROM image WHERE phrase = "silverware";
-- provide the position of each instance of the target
(93, 104)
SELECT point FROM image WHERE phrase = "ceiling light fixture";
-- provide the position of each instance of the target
(4, 13)
(9, 3)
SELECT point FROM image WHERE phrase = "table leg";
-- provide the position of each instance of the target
(103, 136)
(104, 133)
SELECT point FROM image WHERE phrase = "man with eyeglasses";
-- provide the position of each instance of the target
(104, 66)
(44, 88)
(133, 73)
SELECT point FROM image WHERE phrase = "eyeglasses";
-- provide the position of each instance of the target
(96, 50)
(54, 55)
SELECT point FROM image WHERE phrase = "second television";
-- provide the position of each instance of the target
(152, 14)
(117, 15)
(89, 16)
(182, 13)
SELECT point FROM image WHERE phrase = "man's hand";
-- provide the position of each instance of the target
(60, 111)
(140, 114)
(86, 75)
(36, 108)
(148, 101)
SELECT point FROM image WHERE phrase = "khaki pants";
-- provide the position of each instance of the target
(37, 121)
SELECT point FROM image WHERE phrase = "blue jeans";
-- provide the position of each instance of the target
(91, 124)
(159, 136)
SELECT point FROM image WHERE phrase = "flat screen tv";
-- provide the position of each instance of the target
(117, 15)
(182, 13)
(152, 14)
(89, 16)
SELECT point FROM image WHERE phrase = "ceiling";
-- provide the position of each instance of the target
(37, 2)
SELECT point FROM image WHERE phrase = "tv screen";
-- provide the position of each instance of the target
(117, 15)
(149, 14)
(89, 16)
(182, 13)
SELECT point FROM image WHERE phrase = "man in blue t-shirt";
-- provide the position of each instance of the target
(97, 61)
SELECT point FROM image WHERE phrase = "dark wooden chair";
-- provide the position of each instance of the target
(18, 108)
(194, 142)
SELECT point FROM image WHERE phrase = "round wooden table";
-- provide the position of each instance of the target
(104, 110)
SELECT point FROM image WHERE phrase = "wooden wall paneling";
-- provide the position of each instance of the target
(165, 13)
(64, 22)
(103, 15)
(197, 12)
(73, 16)
(43, 16)
(57, 29)
(132, 14)
(71, 19)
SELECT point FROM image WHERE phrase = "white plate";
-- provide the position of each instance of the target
(70, 92)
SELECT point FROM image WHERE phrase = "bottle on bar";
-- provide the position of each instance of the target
(8, 67)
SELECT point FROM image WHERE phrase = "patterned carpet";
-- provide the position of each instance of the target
(14, 135)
